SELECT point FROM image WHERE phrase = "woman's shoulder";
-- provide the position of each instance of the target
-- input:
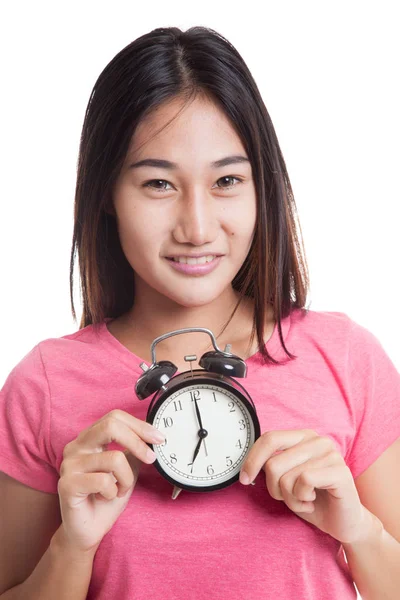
(322, 324)
(337, 334)
(72, 343)
(321, 317)
(58, 353)
(333, 326)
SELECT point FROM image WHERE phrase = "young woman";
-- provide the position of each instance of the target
(179, 161)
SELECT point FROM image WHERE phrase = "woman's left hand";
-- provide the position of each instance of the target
(312, 479)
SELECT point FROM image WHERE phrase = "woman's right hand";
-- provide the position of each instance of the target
(95, 483)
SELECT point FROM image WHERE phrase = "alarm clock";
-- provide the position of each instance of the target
(208, 419)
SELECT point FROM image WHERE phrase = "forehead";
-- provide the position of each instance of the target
(197, 124)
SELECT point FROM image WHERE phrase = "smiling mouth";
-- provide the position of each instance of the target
(202, 260)
(199, 267)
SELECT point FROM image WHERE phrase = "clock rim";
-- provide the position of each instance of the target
(200, 377)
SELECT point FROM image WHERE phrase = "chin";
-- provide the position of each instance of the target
(194, 299)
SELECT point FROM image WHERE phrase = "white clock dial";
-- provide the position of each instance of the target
(230, 434)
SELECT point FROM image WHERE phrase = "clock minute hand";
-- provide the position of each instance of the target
(200, 423)
(198, 414)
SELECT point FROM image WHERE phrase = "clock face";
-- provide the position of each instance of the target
(222, 441)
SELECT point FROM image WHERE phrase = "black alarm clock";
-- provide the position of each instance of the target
(208, 419)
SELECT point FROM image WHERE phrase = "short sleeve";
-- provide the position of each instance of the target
(25, 412)
(374, 384)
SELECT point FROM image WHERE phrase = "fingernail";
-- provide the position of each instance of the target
(157, 436)
(244, 478)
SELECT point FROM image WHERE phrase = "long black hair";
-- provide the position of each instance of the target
(163, 64)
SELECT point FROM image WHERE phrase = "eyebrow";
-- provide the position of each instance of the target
(166, 164)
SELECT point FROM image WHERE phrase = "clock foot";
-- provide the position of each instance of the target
(176, 491)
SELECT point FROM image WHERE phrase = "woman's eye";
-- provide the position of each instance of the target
(157, 189)
(228, 187)
(163, 189)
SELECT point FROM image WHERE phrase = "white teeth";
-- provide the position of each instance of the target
(195, 261)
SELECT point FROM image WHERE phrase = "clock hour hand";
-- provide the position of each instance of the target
(196, 451)
(202, 434)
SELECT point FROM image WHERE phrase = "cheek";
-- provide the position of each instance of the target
(240, 224)
(139, 236)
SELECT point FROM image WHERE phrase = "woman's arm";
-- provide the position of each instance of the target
(374, 562)
(62, 573)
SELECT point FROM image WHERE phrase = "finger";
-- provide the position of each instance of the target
(75, 487)
(288, 480)
(309, 450)
(301, 501)
(268, 444)
(134, 463)
(141, 427)
(298, 482)
(103, 432)
(113, 462)
(333, 477)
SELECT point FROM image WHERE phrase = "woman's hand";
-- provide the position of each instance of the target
(310, 476)
(90, 499)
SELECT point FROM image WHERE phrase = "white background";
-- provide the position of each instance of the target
(328, 74)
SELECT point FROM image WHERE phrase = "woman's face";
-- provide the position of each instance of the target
(193, 208)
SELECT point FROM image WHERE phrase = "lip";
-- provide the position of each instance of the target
(194, 255)
(195, 269)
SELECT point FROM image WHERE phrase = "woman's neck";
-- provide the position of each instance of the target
(138, 328)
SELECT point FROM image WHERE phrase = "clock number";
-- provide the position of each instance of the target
(168, 422)
(215, 398)
(239, 444)
(164, 443)
(231, 405)
(242, 423)
(229, 461)
(210, 470)
(191, 465)
(195, 395)
(180, 405)
(173, 458)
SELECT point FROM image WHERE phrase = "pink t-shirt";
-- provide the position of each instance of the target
(238, 542)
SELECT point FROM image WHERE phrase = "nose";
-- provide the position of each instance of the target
(197, 220)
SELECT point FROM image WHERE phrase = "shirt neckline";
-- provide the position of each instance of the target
(129, 358)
